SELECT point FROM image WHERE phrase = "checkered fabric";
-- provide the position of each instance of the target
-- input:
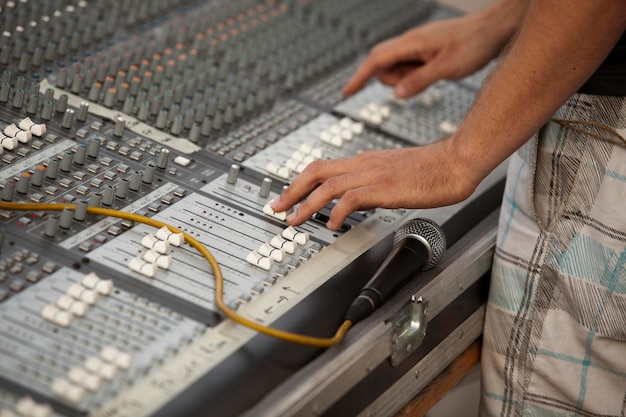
(555, 331)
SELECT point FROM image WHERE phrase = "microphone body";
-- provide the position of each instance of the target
(418, 245)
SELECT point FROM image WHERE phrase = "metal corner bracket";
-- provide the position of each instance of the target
(408, 329)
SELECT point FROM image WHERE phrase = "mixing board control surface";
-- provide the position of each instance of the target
(194, 114)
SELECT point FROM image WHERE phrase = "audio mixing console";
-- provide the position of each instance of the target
(195, 114)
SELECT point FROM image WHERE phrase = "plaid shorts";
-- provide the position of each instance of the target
(555, 331)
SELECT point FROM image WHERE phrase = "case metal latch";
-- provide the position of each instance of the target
(408, 329)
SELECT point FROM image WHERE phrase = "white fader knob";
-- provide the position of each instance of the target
(259, 260)
(154, 257)
(271, 252)
(175, 239)
(292, 234)
(154, 243)
(282, 243)
(144, 268)
(280, 215)
(15, 132)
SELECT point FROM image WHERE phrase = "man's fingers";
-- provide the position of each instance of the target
(383, 56)
(367, 70)
(363, 198)
(418, 80)
(314, 174)
(335, 187)
(393, 75)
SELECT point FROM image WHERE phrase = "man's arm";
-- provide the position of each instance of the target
(559, 46)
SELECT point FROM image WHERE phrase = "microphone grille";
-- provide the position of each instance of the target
(428, 230)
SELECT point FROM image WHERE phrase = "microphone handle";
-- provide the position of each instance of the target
(406, 258)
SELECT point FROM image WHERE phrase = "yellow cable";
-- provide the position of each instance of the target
(217, 272)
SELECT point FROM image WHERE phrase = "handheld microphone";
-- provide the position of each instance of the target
(418, 245)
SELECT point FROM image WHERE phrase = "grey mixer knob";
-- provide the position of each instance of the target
(95, 200)
(63, 46)
(229, 114)
(33, 104)
(38, 174)
(168, 99)
(75, 41)
(18, 98)
(49, 53)
(217, 121)
(200, 112)
(134, 181)
(94, 147)
(9, 190)
(66, 161)
(80, 212)
(121, 190)
(177, 126)
(5, 91)
(144, 110)
(172, 113)
(188, 119)
(62, 104)
(129, 103)
(161, 119)
(205, 127)
(62, 78)
(266, 186)
(194, 133)
(148, 174)
(212, 107)
(23, 183)
(49, 94)
(81, 153)
(22, 66)
(101, 72)
(68, 119)
(77, 83)
(5, 38)
(94, 91)
(46, 111)
(5, 54)
(163, 158)
(65, 221)
(107, 196)
(34, 88)
(81, 116)
(118, 130)
(90, 77)
(109, 97)
(38, 54)
(20, 82)
(50, 229)
(233, 173)
(52, 169)
(6, 77)
(185, 105)
(155, 104)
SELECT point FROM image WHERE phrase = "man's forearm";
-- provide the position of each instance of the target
(559, 46)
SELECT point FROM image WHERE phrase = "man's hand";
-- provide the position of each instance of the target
(416, 177)
(449, 49)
